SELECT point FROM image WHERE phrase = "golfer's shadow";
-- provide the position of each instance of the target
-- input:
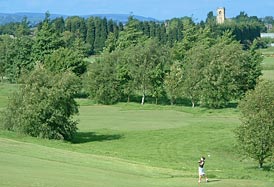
(213, 180)
(85, 137)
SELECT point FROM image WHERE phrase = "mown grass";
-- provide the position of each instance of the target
(133, 145)
(5, 91)
(268, 63)
(29, 164)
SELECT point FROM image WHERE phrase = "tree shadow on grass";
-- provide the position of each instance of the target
(85, 137)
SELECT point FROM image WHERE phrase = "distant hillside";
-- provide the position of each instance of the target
(35, 18)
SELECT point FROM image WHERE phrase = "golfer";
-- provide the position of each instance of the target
(202, 170)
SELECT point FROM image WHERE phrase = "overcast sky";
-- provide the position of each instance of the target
(159, 9)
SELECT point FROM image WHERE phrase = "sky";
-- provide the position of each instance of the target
(158, 9)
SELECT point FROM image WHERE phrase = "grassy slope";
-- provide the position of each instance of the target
(5, 91)
(268, 63)
(133, 145)
(28, 164)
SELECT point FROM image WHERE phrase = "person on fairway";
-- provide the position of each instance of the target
(202, 170)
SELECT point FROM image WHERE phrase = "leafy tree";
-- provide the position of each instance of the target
(68, 38)
(130, 35)
(5, 54)
(90, 33)
(192, 73)
(173, 81)
(100, 34)
(124, 74)
(15, 56)
(44, 105)
(230, 72)
(101, 82)
(148, 61)
(20, 61)
(46, 41)
(23, 28)
(217, 71)
(110, 44)
(189, 40)
(76, 24)
(256, 133)
(58, 24)
(65, 59)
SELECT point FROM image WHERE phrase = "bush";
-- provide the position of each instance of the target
(44, 105)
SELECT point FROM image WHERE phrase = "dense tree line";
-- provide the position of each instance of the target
(245, 28)
(178, 60)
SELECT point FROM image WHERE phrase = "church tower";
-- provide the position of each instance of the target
(220, 15)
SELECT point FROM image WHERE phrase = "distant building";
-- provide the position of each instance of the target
(267, 35)
(220, 15)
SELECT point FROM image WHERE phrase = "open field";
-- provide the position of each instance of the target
(5, 91)
(132, 145)
(268, 74)
(268, 63)
(28, 164)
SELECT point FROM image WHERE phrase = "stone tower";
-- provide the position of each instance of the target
(220, 15)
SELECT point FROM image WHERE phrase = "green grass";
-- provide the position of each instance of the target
(268, 74)
(268, 63)
(133, 145)
(27, 164)
(267, 51)
(5, 91)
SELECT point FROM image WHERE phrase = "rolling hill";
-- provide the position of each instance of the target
(35, 18)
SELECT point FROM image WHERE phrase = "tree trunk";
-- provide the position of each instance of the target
(156, 101)
(193, 104)
(143, 99)
(128, 99)
(171, 101)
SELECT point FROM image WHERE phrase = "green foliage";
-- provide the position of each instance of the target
(245, 28)
(65, 59)
(44, 105)
(15, 56)
(46, 41)
(130, 35)
(5, 54)
(219, 71)
(173, 81)
(20, 61)
(101, 80)
(256, 133)
(148, 63)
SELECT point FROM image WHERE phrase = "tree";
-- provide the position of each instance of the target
(148, 61)
(173, 81)
(192, 73)
(90, 33)
(6, 53)
(46, 41)
(65, 59)
(101, 82)
(217, 71)
(59, 24)
(44, 105)
(20, 60)
(130, 35)
(190, 38)
(256, 133)
(23, 28)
